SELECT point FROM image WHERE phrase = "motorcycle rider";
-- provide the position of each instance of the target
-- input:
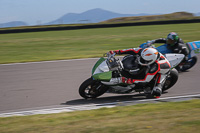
(174, 43)
(154, 64)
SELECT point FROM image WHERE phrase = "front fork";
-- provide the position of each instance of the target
(148, 90)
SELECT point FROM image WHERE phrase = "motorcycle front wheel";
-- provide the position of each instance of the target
(171, 79)
(91, 89)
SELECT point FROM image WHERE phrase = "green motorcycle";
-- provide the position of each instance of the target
(107, 70)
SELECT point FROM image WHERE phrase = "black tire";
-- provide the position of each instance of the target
(191, 64)
(91, 88)
(171, 79)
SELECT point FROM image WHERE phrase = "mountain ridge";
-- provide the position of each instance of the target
(90, 16)
(13, 24)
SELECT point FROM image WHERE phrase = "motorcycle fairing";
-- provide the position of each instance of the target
(101, 71)
(194, 48)
(164, 49)
(105, 76)
(97, 65)
(174, 61)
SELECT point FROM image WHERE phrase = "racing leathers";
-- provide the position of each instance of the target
(178, 47)
(158, 69)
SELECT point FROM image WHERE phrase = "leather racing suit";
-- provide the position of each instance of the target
(178, 47)
(159, 68)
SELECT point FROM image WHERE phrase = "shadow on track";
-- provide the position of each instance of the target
(109, 99)
(102, 100)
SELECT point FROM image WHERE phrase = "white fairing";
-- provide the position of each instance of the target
(174, 59)
(103, 67)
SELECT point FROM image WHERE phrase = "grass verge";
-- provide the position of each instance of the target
(172, 117)
(71, 44)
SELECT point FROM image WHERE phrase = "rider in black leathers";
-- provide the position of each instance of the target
(175, 43)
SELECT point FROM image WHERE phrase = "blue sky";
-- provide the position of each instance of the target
(41, 11)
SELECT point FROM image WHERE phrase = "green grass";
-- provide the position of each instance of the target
(172, 117)
(71, 44)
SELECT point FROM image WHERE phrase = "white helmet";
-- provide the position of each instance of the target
(148, 56)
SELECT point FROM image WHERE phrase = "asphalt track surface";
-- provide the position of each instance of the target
(56, 83)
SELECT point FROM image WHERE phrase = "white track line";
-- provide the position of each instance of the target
(89, 107)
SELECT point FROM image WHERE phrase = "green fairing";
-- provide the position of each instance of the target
(106, 76)
(97, 64)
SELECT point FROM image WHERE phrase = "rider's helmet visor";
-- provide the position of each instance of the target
(171, 42)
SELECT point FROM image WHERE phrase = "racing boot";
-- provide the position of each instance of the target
(156, 92)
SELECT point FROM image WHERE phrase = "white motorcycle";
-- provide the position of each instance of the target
(107, 69)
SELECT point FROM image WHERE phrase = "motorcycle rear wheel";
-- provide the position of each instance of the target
(91, 89)
(188, 65)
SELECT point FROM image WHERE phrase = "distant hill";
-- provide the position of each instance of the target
(172, 16)
(13, 24)
(90, 16)
(99, 15)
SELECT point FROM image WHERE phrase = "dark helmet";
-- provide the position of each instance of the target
(172, 38)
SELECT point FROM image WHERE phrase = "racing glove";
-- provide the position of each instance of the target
(149, 43)
(115, 51)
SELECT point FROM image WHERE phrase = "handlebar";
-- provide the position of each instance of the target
(112, 62)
